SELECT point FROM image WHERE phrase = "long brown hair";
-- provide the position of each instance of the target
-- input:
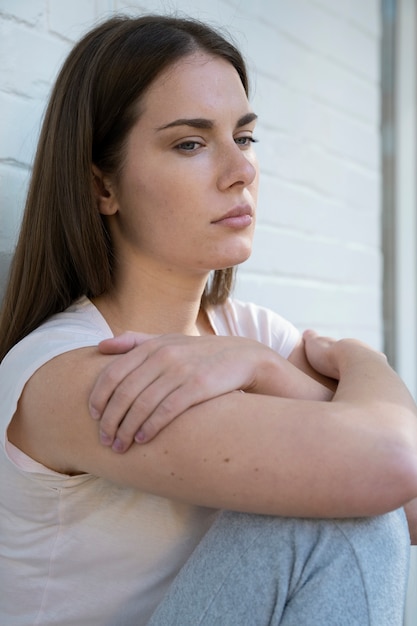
(64, 250)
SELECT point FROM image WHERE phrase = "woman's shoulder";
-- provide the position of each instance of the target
(80, 325)
(45, 380)
(247, 319)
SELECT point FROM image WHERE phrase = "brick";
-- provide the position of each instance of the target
(344, 136)
(279, 154)
(365, 14)
(328, 33)
(71, 19)
(278, 106)
(26, 11)
(338, 87)
(23, 116)
(299, 208)
(317, 258)
(363, 190)
(310, 304)
(29, 60)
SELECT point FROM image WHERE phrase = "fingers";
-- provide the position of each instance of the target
(151, 415)
(131, 388)
(123, 343)
(312, 335)
(133, 401)
(320, 353)
(136, 347)
(153, 408)
(156, 378)
(112, 376)
(110, 380)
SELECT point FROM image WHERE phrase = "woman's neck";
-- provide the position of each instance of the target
(151, 304)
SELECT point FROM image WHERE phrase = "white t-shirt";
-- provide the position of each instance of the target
(79, 550)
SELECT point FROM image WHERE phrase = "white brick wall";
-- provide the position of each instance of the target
(315, 77)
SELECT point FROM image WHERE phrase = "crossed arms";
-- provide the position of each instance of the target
(288, 446)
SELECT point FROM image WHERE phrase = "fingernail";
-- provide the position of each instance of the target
(105, 439)
(94, 413)
(117, 446)
(140, 437)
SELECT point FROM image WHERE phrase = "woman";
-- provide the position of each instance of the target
(144, 183)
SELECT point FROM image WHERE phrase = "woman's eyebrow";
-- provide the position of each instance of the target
(246, 119)
(196, 122)
(206, 124)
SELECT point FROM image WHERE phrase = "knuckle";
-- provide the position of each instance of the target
(168, 353)
(109, 422)
(201, 381)
(122, 396)
(149, 430)
(125, 393)
(141, 408)
(127, 430)
(183, 369)
(110, 376)
(166, 411)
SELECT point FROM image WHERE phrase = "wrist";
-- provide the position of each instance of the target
(348, 352)
(266, 373)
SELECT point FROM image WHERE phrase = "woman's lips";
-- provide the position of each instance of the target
(238, 217)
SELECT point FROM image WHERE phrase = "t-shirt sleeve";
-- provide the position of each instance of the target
(245, 319)
(30, 354)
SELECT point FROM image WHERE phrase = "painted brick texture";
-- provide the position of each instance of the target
(315, 86)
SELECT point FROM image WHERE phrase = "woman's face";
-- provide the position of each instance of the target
(185, 199)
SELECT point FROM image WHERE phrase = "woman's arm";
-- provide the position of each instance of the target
(353, 456)
(159, 377)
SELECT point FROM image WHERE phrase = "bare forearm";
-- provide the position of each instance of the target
(156, 378)
(353, 456)
(281, 456)
(274, 456)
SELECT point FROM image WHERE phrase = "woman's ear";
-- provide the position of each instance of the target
(104, 192)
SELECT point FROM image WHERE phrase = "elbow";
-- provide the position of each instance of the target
(408, 478)
(392, 472)
(408, 458)
(400, 471)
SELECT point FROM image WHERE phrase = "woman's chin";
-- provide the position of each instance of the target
(233, 258)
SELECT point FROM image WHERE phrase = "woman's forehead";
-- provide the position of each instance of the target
(197, 82)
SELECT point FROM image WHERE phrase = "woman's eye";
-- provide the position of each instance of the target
(245, 141)
(188, 146)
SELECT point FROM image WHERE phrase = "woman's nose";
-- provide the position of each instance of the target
(236, 167)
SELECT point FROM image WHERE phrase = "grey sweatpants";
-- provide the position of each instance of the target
(253, 570)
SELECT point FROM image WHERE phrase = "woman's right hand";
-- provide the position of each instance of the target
(156, 378)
